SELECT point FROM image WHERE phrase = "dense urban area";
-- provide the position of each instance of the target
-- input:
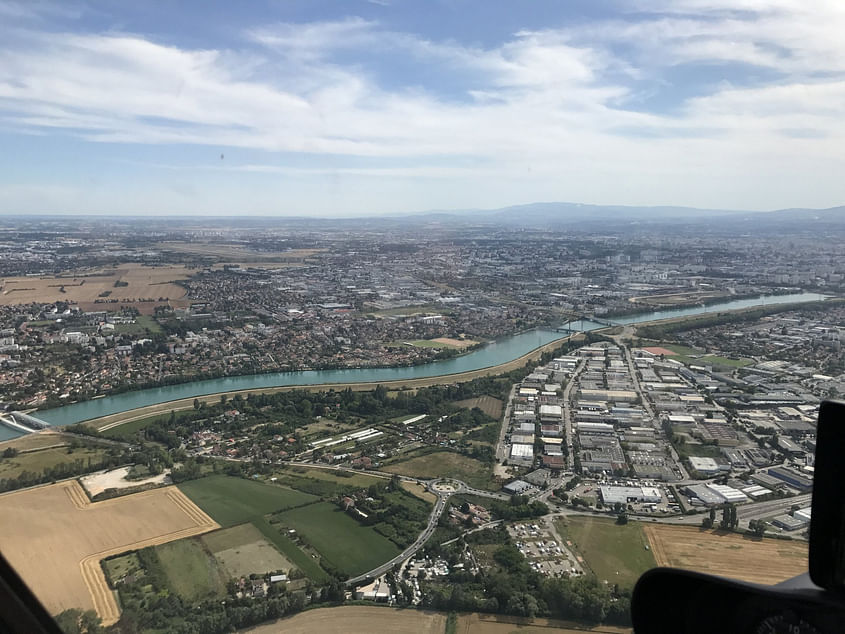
(539, 487)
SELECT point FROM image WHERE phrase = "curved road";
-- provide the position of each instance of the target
(411, 550)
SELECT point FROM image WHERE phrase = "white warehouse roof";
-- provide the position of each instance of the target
(729, 494)
(623, 495)
(522, 451)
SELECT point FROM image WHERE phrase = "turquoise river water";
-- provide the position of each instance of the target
(495, 353)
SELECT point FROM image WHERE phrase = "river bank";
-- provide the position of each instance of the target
(113, 420)
(494, 355)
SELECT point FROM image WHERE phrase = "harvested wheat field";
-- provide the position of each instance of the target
(97, 289)
(766, 560)
(357, 619)
(55, 538)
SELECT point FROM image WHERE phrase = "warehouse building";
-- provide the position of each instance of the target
(517, 487)
(610, 495)
(551, 413)
(704, 466)
(792, 478)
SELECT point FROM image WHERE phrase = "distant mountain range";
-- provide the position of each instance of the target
(547, 215)
(562, 214)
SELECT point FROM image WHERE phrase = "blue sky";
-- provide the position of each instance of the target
(358, 107)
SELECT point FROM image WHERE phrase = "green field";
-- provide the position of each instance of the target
(340, 539)
(231, 501)
(143, 324)
(691, 356)
(37, 461)
(192, 572)
(616, 554)
(441, 464)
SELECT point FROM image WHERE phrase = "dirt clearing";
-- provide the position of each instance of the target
(455, 343)
(764, 560)
(55, 538)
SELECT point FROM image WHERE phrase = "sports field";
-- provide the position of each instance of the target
(764, 560)
(440, 464)
(243, 550)
(233, 501)
(56, 538)
(616, 554)
(357, 619)
(499, 624)
(340, 539)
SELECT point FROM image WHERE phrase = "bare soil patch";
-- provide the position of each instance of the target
(96, 483)
(242, 550)
(455, 343)
(659, 350)
(764, 560)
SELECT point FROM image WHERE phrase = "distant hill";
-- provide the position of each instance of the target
(554, 214)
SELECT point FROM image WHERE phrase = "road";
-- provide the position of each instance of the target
(772, 507)
(647, 406)
(501, 453)
(411, 550)
(567, 412)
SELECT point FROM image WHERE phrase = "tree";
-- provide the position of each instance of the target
(622, 519)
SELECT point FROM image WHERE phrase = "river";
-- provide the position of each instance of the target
(501, 351)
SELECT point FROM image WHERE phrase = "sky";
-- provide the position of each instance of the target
(367, 107)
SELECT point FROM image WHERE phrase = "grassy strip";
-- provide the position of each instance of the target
(290, 550)
(452, 623)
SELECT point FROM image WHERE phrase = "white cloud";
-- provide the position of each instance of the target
(554, 102)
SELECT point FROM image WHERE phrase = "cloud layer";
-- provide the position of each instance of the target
(701, 102)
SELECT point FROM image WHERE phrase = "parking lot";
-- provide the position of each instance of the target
(540, 544)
